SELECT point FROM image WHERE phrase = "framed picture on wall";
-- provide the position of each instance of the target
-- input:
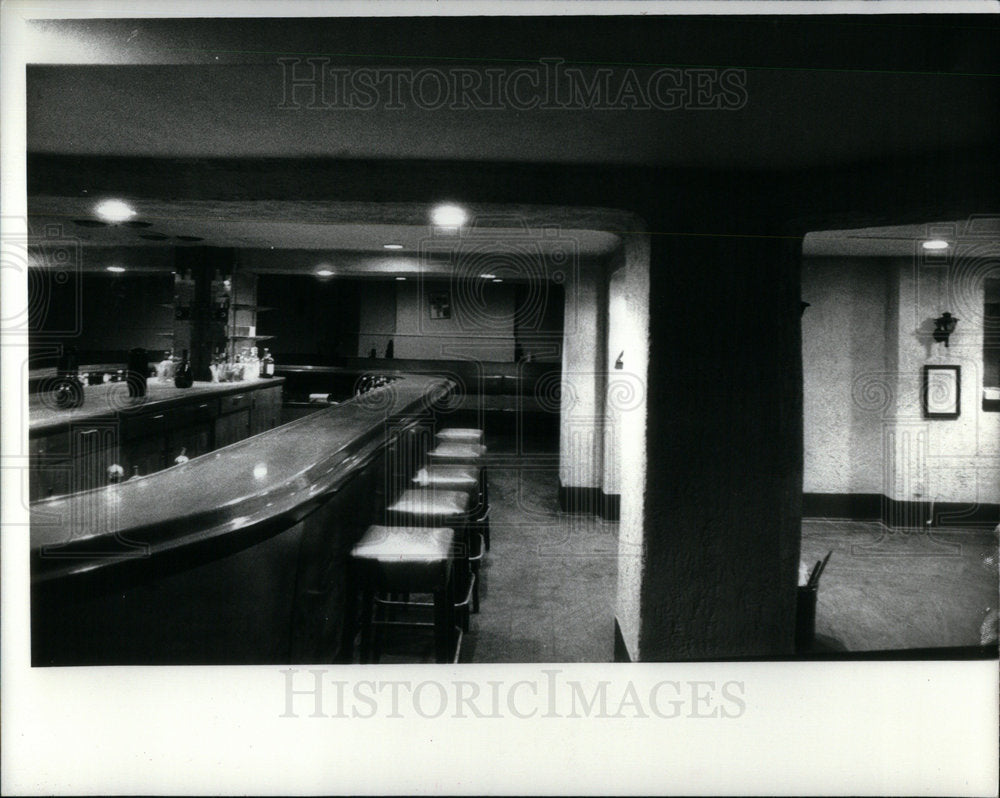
(439, 303)
(941, 392)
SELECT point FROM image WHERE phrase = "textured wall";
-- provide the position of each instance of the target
(481, 326)
(632, 440)
(942, 460)
(843, 339)
(866, 339)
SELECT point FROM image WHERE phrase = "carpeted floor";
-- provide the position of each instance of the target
(549, 580)
(895, 589)
(548, 584)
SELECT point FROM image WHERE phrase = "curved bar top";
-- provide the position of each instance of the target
(266, 482)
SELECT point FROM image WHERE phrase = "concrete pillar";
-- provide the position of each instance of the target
(581, 462)
(629, 404)
(722, 506)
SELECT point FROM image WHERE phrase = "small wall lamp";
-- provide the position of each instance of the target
(944, 326)
(620, 362)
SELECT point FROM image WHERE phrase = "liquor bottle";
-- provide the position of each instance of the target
(389, 350)
(267, 365)
(183, 377)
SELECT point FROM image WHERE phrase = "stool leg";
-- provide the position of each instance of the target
(378, 634)
(349, 630)
(475, 573)
(484, 493)
(484, 529)
(367, 627)
(468, 576)
(444, 609)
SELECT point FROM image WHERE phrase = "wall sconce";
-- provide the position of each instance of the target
(944, 326)
(803, 306)
(620, 363)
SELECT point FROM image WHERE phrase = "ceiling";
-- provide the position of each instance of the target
(350, 237)
(302, 236)
(806, 91)
(902, 240)
(818, 92)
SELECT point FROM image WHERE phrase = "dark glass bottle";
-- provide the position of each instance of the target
(183, 377)
(389, 350)
(267, 365)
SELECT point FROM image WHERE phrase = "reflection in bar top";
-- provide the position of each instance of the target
(274, 475)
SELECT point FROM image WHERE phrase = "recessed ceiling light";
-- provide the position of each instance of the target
(392, 246)
(448, 216)
(936, 243)
(116, 269)
(400, 278)
(324, 273)
(497, 280)
(488, 276)
(114, 210)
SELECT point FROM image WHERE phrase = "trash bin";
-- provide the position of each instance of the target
(805, 616)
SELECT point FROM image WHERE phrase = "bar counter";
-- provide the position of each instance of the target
(237, 556)
(111, 398)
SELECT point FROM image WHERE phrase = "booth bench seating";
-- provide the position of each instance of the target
(495, 396)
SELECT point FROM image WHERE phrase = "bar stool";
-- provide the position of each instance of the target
(458, 453)
(407, 560)
(430, 507)
(460, 435)
(460, 477)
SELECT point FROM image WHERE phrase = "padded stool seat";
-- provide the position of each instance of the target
(432, 507)
(460, 435)
(454, 477)
(470, 478)
(430, 503)
(407, 559)
(452, 453)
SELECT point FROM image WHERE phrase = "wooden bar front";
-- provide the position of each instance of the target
(236, 557)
